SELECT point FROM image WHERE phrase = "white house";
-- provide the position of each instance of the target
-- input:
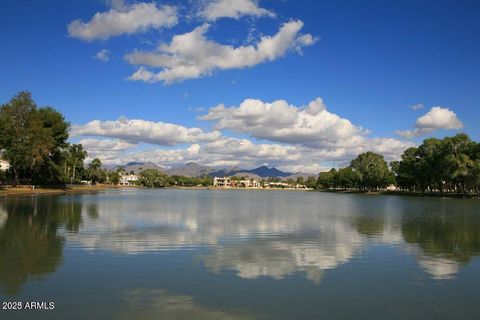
(249, 183)
(222, 182)
(278, 185)
(128, 179)
(4, 165)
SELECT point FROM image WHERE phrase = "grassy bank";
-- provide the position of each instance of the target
(51, 190)
(407, 193)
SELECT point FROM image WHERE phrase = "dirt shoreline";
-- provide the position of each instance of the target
(46, 190)
(72, 189)
(76, 189)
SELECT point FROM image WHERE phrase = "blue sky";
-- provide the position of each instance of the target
(369, 61)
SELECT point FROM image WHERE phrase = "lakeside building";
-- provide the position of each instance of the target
(278, 185)
(284, 185)
(222, 182)
(128, 179)
(4, 165)
(229, 182)
(252, 183)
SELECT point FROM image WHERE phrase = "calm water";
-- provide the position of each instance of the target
(203, 254)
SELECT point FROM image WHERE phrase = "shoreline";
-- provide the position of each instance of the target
(78, 189)
(236, 188)
(405, 194)
(51, 190)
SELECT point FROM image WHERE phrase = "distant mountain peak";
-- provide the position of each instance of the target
(194, 169)
(265, 172)
(133, 163)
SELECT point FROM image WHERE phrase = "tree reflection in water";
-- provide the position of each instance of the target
(454, 236)
(31, 244)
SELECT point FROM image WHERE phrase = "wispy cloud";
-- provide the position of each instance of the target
(124, 19)
(417, 106)
(102, 55)
(215, 9)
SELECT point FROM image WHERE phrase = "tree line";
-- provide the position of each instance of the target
(34, 140)
(451, 164)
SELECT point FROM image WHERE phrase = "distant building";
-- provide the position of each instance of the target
(279, 185)
(222, 182)
(252, 183)
(4, 165)
(128, 179)
(392, 187)
(300, 186)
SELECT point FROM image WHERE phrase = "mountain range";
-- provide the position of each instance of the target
(193, 169)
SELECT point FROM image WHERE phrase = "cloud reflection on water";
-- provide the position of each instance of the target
(253, 234)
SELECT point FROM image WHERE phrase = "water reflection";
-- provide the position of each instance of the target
(279, 256)
(160, 304)
(270, 234)
(30, 244)
(252, 234)
(442, 240)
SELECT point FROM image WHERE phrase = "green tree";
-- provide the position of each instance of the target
(311, 182)
(326, 180)
(32, 139)
(405, 170)
(448, 164)
(153, 178)
(114, 177)
(94, 172)
(51, 169)
(373, 170)
(347, 178)
(75, 155)
(207, 181)
(300, 180)
(23, 139)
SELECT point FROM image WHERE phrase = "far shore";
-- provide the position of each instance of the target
(76, 189)
(72, 189)
(51, 190)
(235, 188)
(406, 193)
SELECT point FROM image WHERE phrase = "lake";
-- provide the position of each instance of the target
(214, 254)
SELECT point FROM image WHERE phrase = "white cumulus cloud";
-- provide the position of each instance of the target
(306, 139)
(138, 130)
(311, 125)
(317, 135)
(193, 55)
(435, 119)
(124, 19)
(216, 9)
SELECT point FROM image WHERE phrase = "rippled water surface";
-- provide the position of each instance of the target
(204, 254)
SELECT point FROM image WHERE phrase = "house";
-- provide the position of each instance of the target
(252, 183)
(282, 185)
(300, 186)
(4, 165)
(392, 187)
(222, 182)
(128, 179)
